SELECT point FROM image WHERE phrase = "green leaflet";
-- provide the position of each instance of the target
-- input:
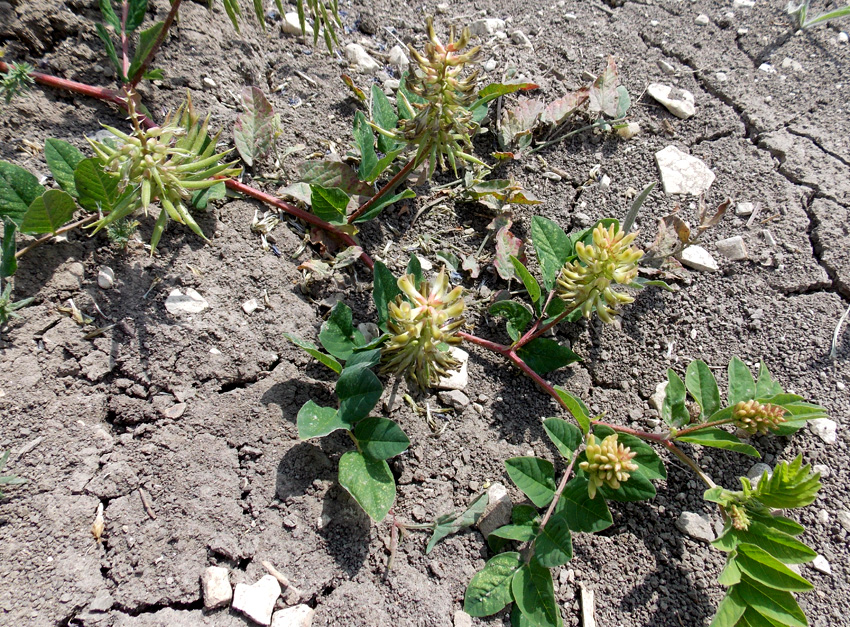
(580, 511)
(313, 351)
(576, 407)
(534, 595)
(329, 203)
(62, 159)
(518, 316)
(448, 524)
(530, 283)
(773, 604)
(742, 387)
(369, 481)
(565, 436)
(358, 390)
(384, 115)
(147, 39)
(702, 386)
(48, 212)
(554, 545)
(553, 248)
(96, 189)
(338, 335)
(18, 190)
(673, 410)
(314, 421)
(380, 438)
(718, 438)
(489, 591)
(384, 291)
(544, 355)
(534, 476)
(760, 566)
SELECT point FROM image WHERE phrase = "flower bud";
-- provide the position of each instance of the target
(608, 463)
(754, 417)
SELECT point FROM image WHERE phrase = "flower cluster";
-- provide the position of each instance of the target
(443, 125)
(608, 463)
(420, 325)
(587, 282)
(167, 164)
(754, 417)
(738, 516)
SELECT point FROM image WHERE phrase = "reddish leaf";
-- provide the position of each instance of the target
(603, 93)
(470, 264)
(507, 244)
(253, 133)
(518, 122)
(330, 174)
(558, 110)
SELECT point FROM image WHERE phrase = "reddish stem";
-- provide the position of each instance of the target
(398, 178)
(704, 425)
(101, 93)
(172, 14)
(125, 44)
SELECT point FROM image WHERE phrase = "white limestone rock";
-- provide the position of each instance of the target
(681, 173)
(257, 601)
(679, 102)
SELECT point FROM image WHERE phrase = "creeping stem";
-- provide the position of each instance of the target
(398, 178)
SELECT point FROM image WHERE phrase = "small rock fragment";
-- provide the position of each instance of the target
(696, 526)
(442, 8)
(490, 65)
(679, 102)
(824, 428)
(216, 586)
(744, 4)
(681, 173)
(822, 565)
(454, 398)
(788, 62)
(521, 39)
(629, 130)
(657, 398)
(588, 609)
(844, 520)
(721, 77)
(209, 83)
(175, 411)
(360, 59)
(767, 236)
(843, 37)
(250, 306)
(698, 258)
(106, 278)
(767, 68)
(823, 469)
(498, 511)
(102, 602)
(755, 473)
(398, 58)
(296, 616)
(189, 303)
(733, 248)
(462, 619)
(257, 601)
(487, 26)
(744, 209)
(666, 67)
(457, 379)
(702, 20)
(292, 26)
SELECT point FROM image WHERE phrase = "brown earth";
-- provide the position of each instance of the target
(88, 421)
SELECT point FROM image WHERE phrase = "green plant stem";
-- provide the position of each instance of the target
(115, 98)
(559, 491)
(398, 178)
(675, 450)
(49, 236)
(172, 13)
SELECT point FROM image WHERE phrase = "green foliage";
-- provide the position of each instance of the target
(800, 14)
(16, 80)
(124, 25)
(448, 524)
(8, 479)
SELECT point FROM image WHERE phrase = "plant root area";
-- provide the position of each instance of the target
(183, 426)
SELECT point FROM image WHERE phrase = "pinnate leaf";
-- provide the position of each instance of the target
(762, 567)
(147, 39)
(791, 485)
(777, 605)
(369, 481)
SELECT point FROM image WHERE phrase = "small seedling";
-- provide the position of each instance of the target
(16, 80)
(8, 479)
(800, 13)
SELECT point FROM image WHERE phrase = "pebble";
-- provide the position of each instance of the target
(679, 102)
(721, 77)
(175, 411)
(257, 601)
(102, 602)
(745, 4)
(209, 83)
(681, 173)
(666, 67)
(755, 473)
(702, 20)
(216, 586)
(457, 379)
(292, 26)
(823, 517)
(843, 37)
(442, 8)
(521, 39)
(498, 510)
(744, 209)
(767, 68)
(454, 398)
(788, 62)
(106, 277)
(391, 84)
(605, 182)
(296, 616)
(698, 258)
(696, 526)
(462, 619)
(844, 520)
(588, 609)
(490, 65)
(629, 130)
(822, 565)
(250, 306)
(657, 398)
(552, 176)
(822, 469)
(733, 248)
(824, 428)
(398, 58)
(360, 59)
(487, 26)
(189, 303)
(478, 408)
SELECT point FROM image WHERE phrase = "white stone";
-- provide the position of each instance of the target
(398, 58)
(733, 248)
(698, 258)
(521, 39)
(360, 59)
(701, 20)
(456, 379)
(629, 130)
(209, 83)
(498, 511)
(788, 62)
(745, 4)
(605, 181)
(744, 209)
(462, 619)
(844, 519)
(391, 84)
(767, 68)
(767, 236)
(721, 77)
(588, 609)
(442, 8)
(257, 601)
(250, 306)
(665, 67)
(490, 65)
(425, 263)
(679, 102)
(822, 565)
(189, 303)
(296, 616)
(696, 526)
(822, 469)
(292, 26)
(657, 399)
(824, 428)
(681, 173)
(823, 517)
(755, 473)
(487, 26)
(843, 37)
(454, 398)
(106, 277)
(216, 586)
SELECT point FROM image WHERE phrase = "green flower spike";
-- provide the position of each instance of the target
(443, 126)
(587, 282)
(421, 327)
(608, 463)
(754, 417)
